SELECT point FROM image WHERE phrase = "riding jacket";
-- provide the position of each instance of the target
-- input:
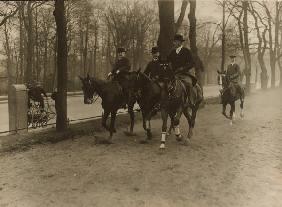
(182, 61)
(153, 69)
(121, 64)
(233, 73)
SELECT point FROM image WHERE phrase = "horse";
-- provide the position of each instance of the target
(229, 95)
(112, 97)
(176, 103)
(149, 94)
(35, 94)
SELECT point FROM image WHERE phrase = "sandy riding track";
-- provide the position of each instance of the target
(223, 166)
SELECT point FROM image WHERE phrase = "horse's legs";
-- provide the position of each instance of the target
(131, 113)
(189, 120)
(164, 115)
(112, 125)
(171, 127)
(147, 124)
(176, 123)
(242, 105)
(224, 110)
(104, 119)
(232, 110)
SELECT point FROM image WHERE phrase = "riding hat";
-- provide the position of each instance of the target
(232, 56)
(155, 50)
(179, 37)
(120, 50)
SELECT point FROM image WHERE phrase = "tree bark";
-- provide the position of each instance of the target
(223, 41)
(29, 28)
(199, 67)
(166, 18)
(247, 54)
(61, 101)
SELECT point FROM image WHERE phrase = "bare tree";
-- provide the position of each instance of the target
(61, 101)
(199, 66)
(166, 18)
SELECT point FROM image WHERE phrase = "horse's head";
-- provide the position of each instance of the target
(222, 79)
(88, 89)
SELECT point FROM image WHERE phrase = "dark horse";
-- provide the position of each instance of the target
(229, 96)
(112, 97)
(35, 94)
(149, 94)
(176, 102)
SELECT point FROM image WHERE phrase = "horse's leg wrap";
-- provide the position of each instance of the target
(162, 146)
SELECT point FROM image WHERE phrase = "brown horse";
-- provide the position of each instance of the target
(112, 97)
(229, 95)
(177, 103)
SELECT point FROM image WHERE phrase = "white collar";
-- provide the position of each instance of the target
(178, 49)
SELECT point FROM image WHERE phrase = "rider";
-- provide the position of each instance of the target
(233, 74)
(182, 62)
(153, 69)
(122, 64)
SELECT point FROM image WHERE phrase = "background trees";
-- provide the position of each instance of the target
(29, 47)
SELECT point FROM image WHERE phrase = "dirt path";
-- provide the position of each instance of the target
(224, 166)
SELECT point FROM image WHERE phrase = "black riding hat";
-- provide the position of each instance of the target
(120, 50)
(155, 50)
(179, 37)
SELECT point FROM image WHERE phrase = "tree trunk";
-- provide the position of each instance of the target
(61, 102)
(166, 17)
(247, 54)
(29, 28)
(8, 54)
(223, 38)
(199, 67)
(21, 46)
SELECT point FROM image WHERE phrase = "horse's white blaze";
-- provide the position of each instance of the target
(177, 130)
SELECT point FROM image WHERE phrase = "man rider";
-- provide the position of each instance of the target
(153, 69)
(182, 62)
(233, 74)
(122, 64)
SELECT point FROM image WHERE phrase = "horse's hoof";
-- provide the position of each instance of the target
(178, 138)
(114, 130)
(162, 146)
(231, 123)
(149, 135)
(190, 134)
(144, 141)
(242, 115)
(186, 142)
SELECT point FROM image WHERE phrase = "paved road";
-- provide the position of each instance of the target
(223, 166)
(78, 110)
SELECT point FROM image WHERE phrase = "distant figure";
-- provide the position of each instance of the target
(233, 75)
(36, 93)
